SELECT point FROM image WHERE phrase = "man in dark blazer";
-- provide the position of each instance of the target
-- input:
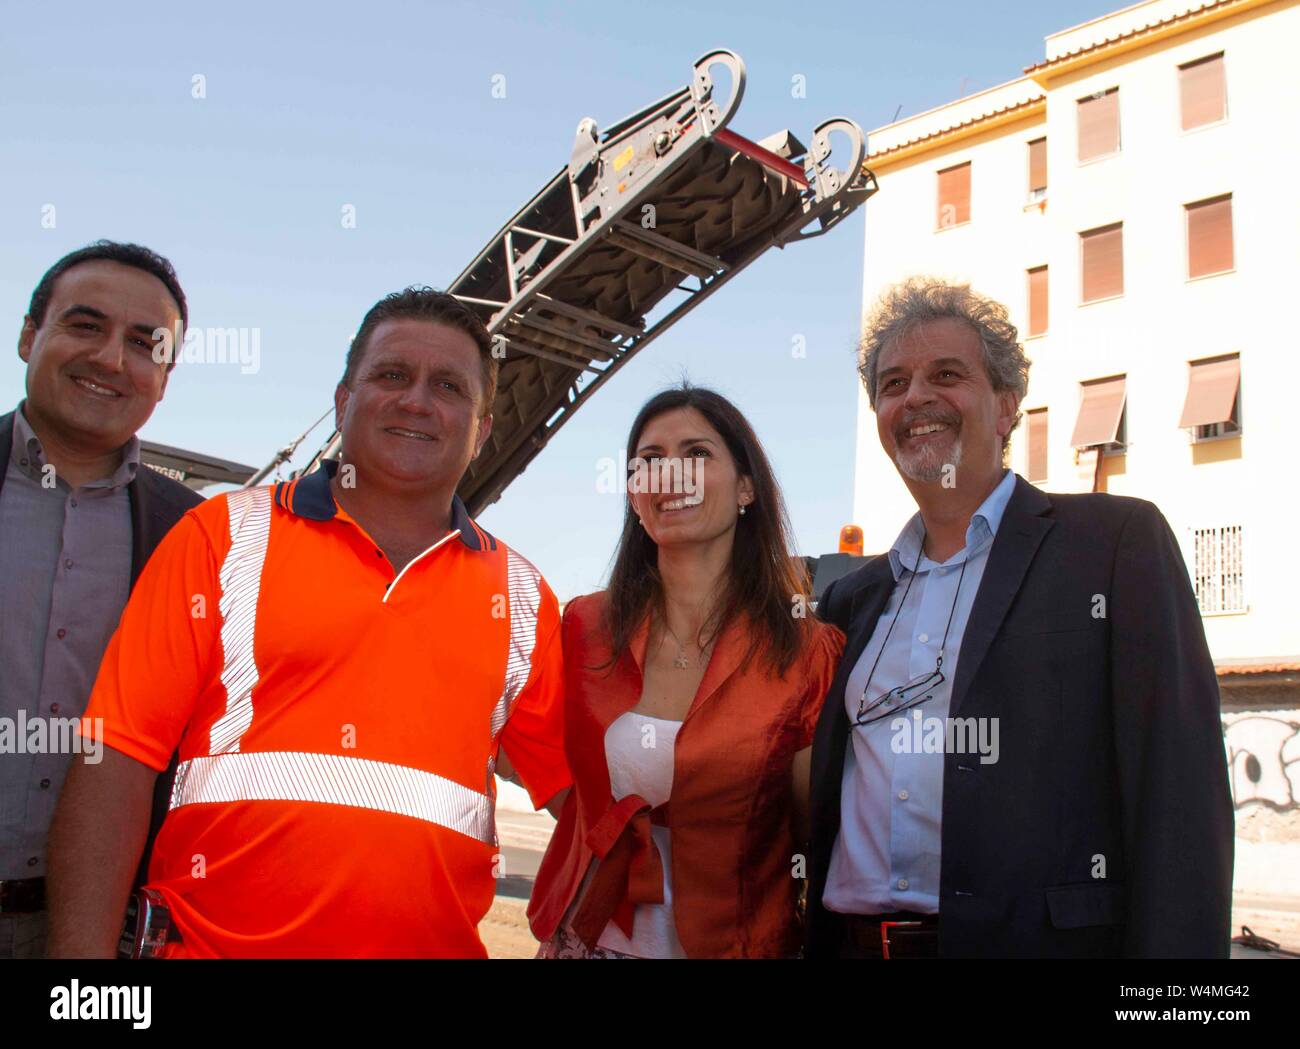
(1075, 800)
(80, 515)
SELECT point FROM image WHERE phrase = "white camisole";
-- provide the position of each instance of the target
(639, 751)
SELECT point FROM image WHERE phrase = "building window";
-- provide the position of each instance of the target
(1102, 262)
(1038, 169)
(1037, 280)
(1119, 446)
(954, 196)
(1103, 416)
(1099, 125)
(1216, 569)
(1209, 237)
(1202, 92)
(1228, 428)
(1213, 405)
(1036, 466)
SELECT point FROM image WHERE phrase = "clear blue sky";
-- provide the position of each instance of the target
(389, 107)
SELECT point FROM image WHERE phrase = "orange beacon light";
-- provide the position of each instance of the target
(851, 540)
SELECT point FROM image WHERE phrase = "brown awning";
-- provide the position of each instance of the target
(1099, 413)
(1211, 391)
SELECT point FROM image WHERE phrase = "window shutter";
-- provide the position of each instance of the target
(1102, 262)
(1037, 164)
(1037, 465)
(1209, 237)
(1099, 124)
(1202, 92)
(1211, 392)
(1037, 300)
(954, 196)
(1100, 413)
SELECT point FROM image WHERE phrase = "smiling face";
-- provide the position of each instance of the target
(92, 380)
(935, 405)
(412, 416)
(685, 487)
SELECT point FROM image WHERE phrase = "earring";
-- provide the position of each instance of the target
(742, 508)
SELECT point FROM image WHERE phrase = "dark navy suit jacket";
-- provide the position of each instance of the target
(1085, 641)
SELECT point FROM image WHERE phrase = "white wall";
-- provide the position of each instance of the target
(990, 251)
(1162, 320)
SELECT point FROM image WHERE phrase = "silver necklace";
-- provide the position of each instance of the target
(680, 661)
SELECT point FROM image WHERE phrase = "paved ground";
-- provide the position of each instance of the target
(524, 835)
(1274, 918)
(505, 930)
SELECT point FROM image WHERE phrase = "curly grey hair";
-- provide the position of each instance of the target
(919, 299)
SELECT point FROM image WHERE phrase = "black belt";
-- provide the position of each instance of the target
(23, 896)
(900, 934)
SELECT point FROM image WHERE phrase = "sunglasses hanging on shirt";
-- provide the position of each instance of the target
(917, 691)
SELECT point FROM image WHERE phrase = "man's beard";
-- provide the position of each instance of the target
(928, 464)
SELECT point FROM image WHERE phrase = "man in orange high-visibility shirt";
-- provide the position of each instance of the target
(339, 660)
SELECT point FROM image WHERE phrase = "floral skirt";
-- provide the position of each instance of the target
(566, 944)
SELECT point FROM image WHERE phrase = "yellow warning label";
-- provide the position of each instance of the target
(623, 159)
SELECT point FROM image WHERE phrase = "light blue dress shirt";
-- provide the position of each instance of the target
(886, 856)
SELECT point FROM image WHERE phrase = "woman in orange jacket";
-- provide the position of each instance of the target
(693, 685)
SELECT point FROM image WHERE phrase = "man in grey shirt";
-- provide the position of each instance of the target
(79, 517)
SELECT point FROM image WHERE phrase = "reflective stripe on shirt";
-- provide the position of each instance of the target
(329, 778)
(335, 779)
(241, 582)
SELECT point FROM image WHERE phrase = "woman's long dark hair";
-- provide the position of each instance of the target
(761, 581)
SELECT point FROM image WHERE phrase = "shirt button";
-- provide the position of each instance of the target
(902, 884)
(32, 861)
(45, 784)
(903, 795)
(61, 633)
(67, 562)
(923, 638)
(74, 502)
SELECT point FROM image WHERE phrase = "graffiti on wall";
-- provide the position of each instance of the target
(1264, 761)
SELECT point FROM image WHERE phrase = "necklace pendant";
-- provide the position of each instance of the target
(681, 662)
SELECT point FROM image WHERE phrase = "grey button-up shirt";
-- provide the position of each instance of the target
(65, 574)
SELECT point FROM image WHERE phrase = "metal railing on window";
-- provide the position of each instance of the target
(1217, 569)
